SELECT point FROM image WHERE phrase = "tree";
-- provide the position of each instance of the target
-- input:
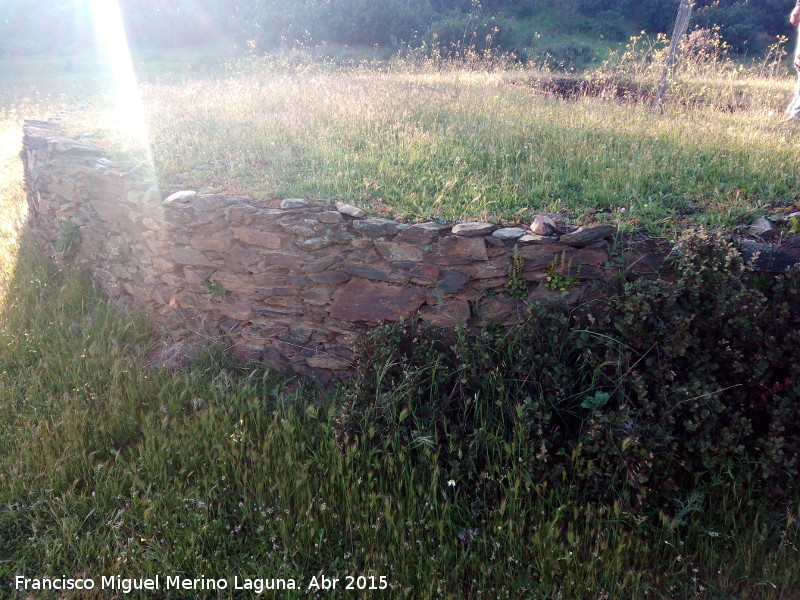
(681, 27)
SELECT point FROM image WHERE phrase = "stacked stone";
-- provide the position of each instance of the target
(56, 169)
(114, 207)
(297, 285)
(293, 286)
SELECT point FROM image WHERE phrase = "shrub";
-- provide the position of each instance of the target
(385, 23)
(740, 24)
(715, 373)
(69, 236)
(674, 384)
(458, 32)
(569, 56)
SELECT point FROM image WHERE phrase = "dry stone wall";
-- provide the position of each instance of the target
(293, 283)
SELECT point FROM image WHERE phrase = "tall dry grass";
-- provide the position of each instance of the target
(431, 139)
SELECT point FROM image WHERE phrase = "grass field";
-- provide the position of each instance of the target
(108, 467)
(468, 144)
(451, 143)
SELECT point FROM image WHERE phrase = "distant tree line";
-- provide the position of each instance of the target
(30, 26)
(746, 25)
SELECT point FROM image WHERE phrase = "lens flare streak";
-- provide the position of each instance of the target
(115, 53)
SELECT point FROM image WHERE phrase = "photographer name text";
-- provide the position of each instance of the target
(126, 585)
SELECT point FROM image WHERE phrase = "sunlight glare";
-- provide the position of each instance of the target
(114, 52)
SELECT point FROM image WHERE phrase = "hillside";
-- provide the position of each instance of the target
(564, 35)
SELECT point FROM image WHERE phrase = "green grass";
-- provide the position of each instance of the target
(79, 78)
(453, 143)
(108, 467)
(465, 145)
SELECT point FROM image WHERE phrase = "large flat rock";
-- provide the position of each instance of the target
(374, 302)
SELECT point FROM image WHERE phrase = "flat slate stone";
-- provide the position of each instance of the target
(533, 238)
(509, 233)
(396, 252)
(294, 203)
(342, 236)
(303, 227)
(190, 256)
(235, 283)
(373, 302)
(489, 270)
(207, 203)
(497, 308)
(262, 239)
(349, 210)
(279, 259)
(447, 314)
(458, 250)
(329, 277)
(792, 241)
(320, 265)
(111, 210)
(452, 281)
(422, 233)
(424, 274)
(379, 274)
(244, 214)
(769, 259)
(180, 197)
(330, 362)
(375, 227)
(213, 244)
(315, 243)
(473, 229)
(584, 236)
(239, 311)
(330, 217)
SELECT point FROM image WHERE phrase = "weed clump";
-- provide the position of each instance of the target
(516, 287)
(672, 385)
(69, 237)
(558, 277)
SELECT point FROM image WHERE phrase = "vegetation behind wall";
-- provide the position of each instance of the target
(573, 31)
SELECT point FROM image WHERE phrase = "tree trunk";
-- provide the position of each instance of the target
(681, 27)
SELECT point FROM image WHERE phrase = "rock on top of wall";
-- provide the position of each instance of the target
(294, 283)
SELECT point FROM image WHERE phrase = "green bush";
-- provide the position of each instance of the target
(672, 385)
(385, 23)
(568, 56)
(458, 32)
(715, 379)
(740, 24)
